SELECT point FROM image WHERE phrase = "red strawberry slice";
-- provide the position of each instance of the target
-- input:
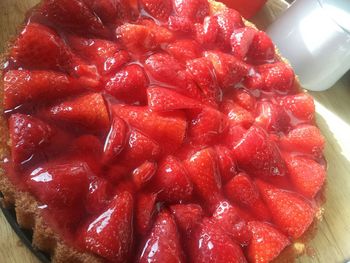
(234, 134)
(163, 243)
(28, 136)
(159, 9)
(187, 216)
(262, 49)
(143, 174)
(180, 24)
(163, 99)
(129, 85)
(139, 149)
(206, 126)
(259, 156)
(116, 140)
(114, 224)
(163, 67)
(194, 10)
(184, 49)
(162, 35)
(236, 114)
(277, 76)
(304, 138)
(291, 213)
(202, 169)
(267, 242)
(166, 128)
(110, 10)
(241, 190)
(207, 32)
(209, 243)
(98, 196)
(241, 41)
(106, 55)
(272, 117)
(227, 165)
(39, 47)
(74, 15)
(145, 210)
(243, 98)
(203, 74)
(301, 106)
(307, 175)
(228, 218)
(22, 86)
(88, 111)
(171, 181)
(228, 69)
(60, 185)
(228, 20)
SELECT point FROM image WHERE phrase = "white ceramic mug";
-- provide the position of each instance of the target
(314, 35)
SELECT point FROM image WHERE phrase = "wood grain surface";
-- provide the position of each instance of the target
(332, 243)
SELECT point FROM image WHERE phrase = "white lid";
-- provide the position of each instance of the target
(339, 10)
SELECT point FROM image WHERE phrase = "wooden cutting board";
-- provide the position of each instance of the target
(332, 243)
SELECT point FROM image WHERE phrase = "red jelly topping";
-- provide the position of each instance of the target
(160, 131)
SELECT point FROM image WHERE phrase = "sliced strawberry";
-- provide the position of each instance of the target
(228, 20)
(307, 175)
(207, 32)
(171, 181)
(234, 134)
(143, 174)
(163, 67)
(162, 35)
(164, 99)
(180, 24)
(304, 138)
(206, 126)
(291, 213)
(277, 76)
(106, 55)
(115, 140)
(241, 41)
(228, 218)
(74, 15)
(301, 106)
(187, 216)
(111, 10)
(272, 117)
(262, 49)
(159, 9)
(227, 165)
(236, 114)
(88, 111)
(267, 242)
(98, 196)
(202, 169)
(129, 85)
(203, 74)
(194, 10)
(145, 210)
(139, 149)
(21, 86)
(210, 243)
(167, 128)
(243, 98)
(163, 243)
(242, 190)
(60, 185)
(259, 156)
(39, 47)
(228, 69)
(28, 136)
(184, 49)
(115, 223)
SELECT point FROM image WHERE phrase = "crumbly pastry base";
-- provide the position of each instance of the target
(29, 215)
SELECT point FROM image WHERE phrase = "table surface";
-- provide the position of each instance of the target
(332, 243)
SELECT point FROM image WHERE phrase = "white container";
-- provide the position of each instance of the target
(314, 35)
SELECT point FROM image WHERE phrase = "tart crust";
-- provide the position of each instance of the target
(29, 215)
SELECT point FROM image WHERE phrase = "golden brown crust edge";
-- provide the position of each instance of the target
(29, 215)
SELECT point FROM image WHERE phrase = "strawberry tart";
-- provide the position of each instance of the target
(156, 131)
